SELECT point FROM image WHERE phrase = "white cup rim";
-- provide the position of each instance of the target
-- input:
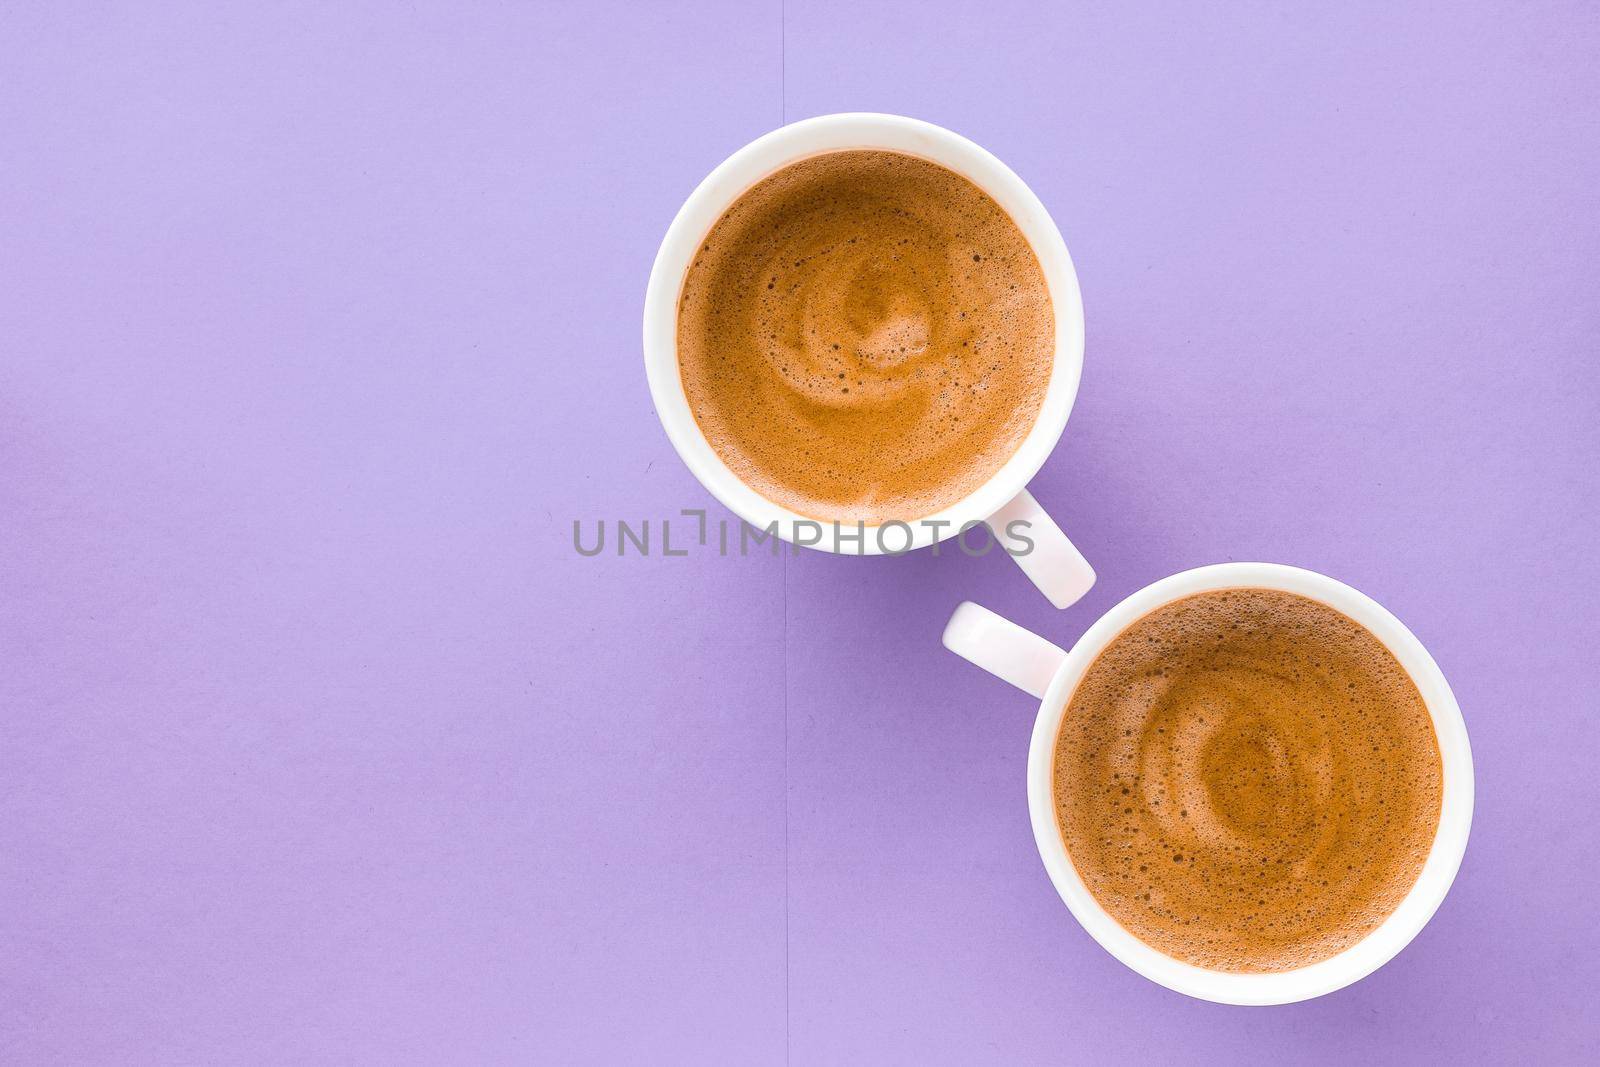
(787, 145)
(1360, 959)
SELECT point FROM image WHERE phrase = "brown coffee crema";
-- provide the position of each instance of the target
(865, 335)
(1247, 780)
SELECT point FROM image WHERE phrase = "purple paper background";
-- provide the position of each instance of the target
(319, 327)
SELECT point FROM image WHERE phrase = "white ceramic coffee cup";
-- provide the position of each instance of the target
(1033, 664)
(1053, 563)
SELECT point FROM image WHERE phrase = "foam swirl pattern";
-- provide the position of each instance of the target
(1248, 780)
(865, 335)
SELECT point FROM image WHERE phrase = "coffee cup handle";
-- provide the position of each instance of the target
(1003, 648)
(1032, 538)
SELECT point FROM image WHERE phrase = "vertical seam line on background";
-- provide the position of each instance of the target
(783, 571)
